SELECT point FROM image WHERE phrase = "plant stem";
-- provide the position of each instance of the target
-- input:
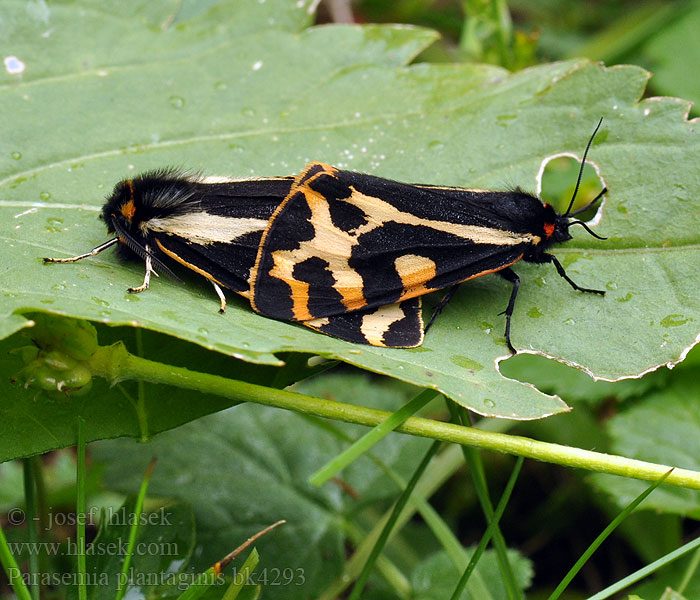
(391, 521)
(134, 530)
(30, 502)
(81, 511)
(116, 364)
(476, 468)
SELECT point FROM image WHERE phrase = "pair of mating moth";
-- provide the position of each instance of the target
(344, 253)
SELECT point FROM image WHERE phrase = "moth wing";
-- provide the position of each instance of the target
(343, 241)
(398, 325)
(218, 237)
(227, 266)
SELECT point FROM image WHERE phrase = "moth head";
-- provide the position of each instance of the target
(121, 216)
(120, 209)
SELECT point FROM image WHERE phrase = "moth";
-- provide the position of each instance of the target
(344, 253)
(351, 254)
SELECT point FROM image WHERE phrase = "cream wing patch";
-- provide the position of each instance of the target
(377, 323)
(204, 228)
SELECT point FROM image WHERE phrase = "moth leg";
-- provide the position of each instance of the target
(441, 305)
(92, 252)
(553, 259)
(509, 275)
(220, 294)
(147, 278)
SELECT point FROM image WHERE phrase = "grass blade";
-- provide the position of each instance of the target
(362, 445)
(80, 511)
(398, 507)
(601, 538)
(134, 529)
(493, 524)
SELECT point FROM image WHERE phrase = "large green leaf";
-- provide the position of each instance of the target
(247, 467)
(664, 428)
(163, 547)
(239, 89)
(32, 422)
(435, 577)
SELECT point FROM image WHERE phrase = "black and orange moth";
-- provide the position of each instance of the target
(211, 225)
(344, 253)
(351, 254)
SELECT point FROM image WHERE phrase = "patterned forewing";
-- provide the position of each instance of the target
(342, 242)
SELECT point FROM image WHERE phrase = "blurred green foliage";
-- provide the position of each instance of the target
(659, 35)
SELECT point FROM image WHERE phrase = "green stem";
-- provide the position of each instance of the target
(81, 512)
(690, 571)
(493, 524)
(391, 521)
(133, 531)
(14, 575)
(30, 501)
(41, 495)
(116, 364)
(476, 467)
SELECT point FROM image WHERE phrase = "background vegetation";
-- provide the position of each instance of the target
(254, 89)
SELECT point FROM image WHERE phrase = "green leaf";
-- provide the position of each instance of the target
(163, 548)
(32, 422)
(671, 75)
(220, 88)
(664, 427)
(248, 467)
(436, 577)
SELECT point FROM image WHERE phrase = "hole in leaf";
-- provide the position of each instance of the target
(559, 182)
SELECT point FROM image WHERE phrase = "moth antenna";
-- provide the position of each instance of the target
(588, 229)
(131, 242)
(591, 203)
(583, 164)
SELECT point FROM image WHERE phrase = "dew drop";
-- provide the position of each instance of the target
(176, 101)
(99, 301)
(45, 196)
(611, 286)
(54, 225)
(490, 403)
(248, 111)
(16, 155)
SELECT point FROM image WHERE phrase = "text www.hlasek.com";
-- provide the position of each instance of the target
(70, 548)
